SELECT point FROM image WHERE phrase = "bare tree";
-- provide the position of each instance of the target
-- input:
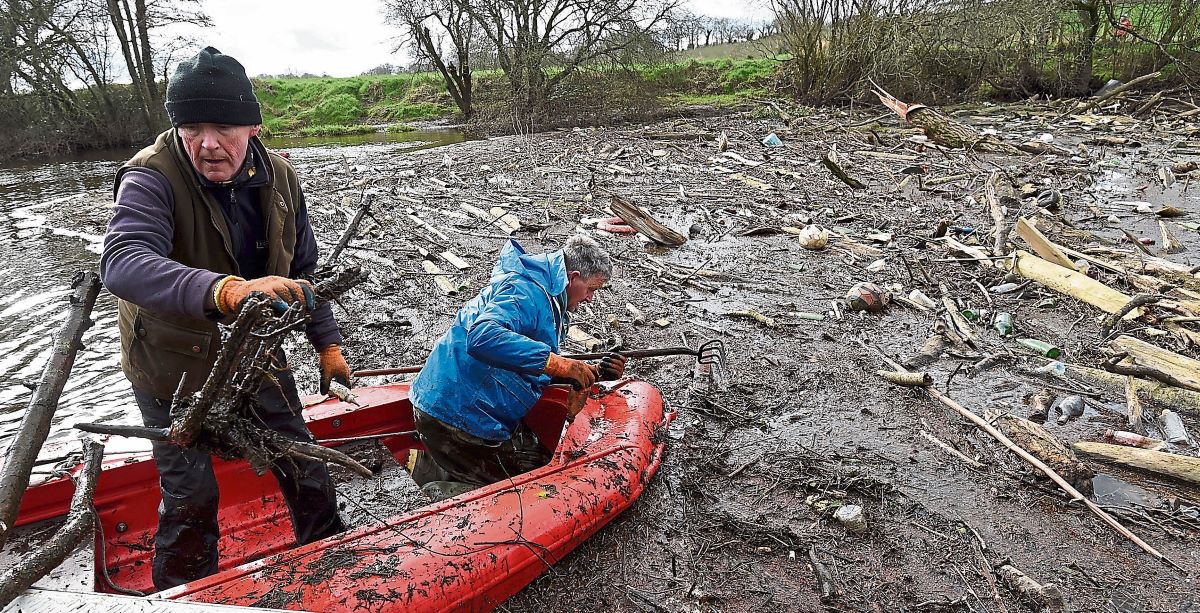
(540, 43)
(134, 27)
(427, 24)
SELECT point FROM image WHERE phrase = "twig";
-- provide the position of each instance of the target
(1140, 300)
(1113, 365)
(950, 450)
(828, 587)
(1116, 91)
(363, 209)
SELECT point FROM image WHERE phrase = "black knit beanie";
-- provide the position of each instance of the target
(212, 88)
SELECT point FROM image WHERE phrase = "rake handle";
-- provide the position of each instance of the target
(636, 353)
(633, 353)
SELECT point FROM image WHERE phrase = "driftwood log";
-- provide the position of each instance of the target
(1038, 441)
(79, 525)
(644, 222)
(941, 129)
(1151, 392)
(220, 417)
(35, 425)
(1184, 468)
(1072, 283)
(1044, 597)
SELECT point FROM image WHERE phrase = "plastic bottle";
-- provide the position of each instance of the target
(1172, 427)
(1055, 368)
(1003, 323)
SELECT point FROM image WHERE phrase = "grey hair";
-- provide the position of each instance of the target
(584, 254)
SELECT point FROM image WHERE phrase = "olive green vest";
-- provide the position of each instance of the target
(158, 349)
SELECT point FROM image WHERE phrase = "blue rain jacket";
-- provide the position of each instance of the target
(486, 371)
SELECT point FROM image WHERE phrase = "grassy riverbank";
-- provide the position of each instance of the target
(353, 105)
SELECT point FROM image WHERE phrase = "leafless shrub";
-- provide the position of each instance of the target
(939, 49)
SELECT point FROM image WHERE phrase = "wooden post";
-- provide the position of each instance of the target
(35, 425)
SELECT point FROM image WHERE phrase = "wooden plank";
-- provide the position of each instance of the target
(509, 222)
(454, 260)
(1042, 245)
(1181, 367)
(1072, 283)
(443, 281)
(1184, 468)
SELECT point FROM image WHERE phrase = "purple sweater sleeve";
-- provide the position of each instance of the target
(322, 329)
(134, 264)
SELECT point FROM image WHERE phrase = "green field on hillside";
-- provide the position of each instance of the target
(326, 106)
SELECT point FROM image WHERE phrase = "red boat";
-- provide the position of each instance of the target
(469, 552)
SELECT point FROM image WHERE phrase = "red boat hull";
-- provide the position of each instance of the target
(469, 552)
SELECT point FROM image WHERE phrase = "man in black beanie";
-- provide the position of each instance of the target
(204, 217)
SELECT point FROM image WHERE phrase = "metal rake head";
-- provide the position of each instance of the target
(711, 354)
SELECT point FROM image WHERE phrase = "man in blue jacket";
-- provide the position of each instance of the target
(490, 367)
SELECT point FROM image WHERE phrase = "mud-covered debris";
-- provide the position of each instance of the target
(866, 297)
(1046, 447)
(1044, 597)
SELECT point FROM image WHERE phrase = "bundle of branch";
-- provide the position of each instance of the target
(221, 418)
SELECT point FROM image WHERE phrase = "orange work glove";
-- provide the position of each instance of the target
(333, 367)
(581, 374)
(231, 292)
(612, 367)
(576, 399)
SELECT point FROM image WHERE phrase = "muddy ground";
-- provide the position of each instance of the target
(744, 500)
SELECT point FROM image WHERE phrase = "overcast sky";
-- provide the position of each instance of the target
(344, 37)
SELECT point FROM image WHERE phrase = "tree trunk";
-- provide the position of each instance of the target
(35, 425)
(8, 42)
(457, 86)
(153, 100)
(1089, 17)
(132, 64)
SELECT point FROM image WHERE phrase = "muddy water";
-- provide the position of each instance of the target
(39, 256)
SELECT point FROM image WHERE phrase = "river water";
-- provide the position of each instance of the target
(39, 258)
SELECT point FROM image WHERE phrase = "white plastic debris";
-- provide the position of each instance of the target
(851, 516)
(918, 297)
